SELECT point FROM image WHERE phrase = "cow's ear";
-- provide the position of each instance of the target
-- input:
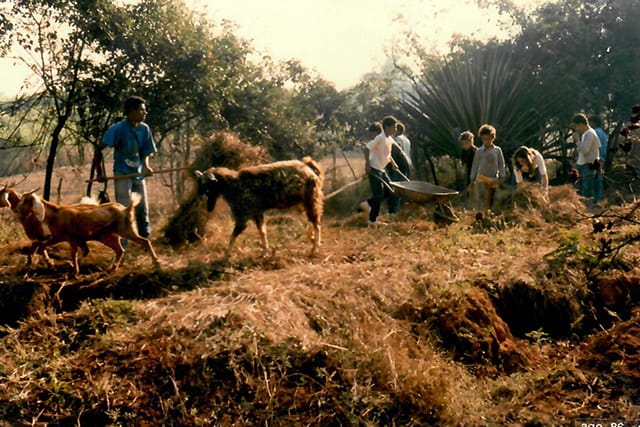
(198, 174)
(38, 208)
(211, 176)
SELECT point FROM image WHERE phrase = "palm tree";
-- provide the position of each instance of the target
(470, 89)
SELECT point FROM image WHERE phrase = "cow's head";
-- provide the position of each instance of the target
(4, 197)
(208, 185)
(30, 205)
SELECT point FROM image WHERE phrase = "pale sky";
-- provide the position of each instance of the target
(340, 39)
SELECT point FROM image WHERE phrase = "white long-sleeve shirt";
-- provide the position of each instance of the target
(380, 151)
(588, 147)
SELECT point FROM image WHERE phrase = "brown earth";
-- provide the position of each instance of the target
(503, 321)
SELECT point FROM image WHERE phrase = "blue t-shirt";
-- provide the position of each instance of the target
(130, 145)
(602, 136)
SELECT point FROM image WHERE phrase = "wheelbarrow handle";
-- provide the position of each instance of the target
(402, 175)
(385, 183)
(134, 175)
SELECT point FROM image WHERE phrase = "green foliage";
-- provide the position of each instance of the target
(587, 52)
(570, 251)
(592, 258)
(374, 97)
(465, 92)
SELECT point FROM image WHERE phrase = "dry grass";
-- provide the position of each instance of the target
(410, 324)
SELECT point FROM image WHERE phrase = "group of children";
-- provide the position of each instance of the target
(485, 165)
(486, 168)
(388, 158)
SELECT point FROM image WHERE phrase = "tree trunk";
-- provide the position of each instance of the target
(51, 158)
(433, 170)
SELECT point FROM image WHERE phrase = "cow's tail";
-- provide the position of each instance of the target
(314, 166)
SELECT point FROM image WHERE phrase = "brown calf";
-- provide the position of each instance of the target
(80, 223)
(33, 228)
(252, 190)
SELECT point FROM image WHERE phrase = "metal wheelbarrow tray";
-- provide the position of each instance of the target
(422, 192)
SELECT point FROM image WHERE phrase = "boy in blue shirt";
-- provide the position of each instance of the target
(132, 144)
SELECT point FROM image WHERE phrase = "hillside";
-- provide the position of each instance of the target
(512, 320)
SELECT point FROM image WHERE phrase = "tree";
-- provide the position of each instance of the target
(468, 90)
(569, 56)
(377, 95)
(58, 53)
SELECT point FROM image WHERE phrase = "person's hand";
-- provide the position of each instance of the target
(483, 179)
(575, 136)
(101, 178)
(147, 171)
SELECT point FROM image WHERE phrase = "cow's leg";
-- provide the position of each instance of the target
(113, 241)
(314, 215)
(313, 206)
(146, 243)
(317, 241)
(262, 230)
(84, 247)
(46, 257)
(74, 259)
(32, 253)
(241, 224)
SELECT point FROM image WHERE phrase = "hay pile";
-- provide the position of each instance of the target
(226, 149)
(529, 206)
(222, 149)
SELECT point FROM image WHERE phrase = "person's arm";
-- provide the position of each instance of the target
(581, 147)
(474, 169)
(542, 169)
(147, 171)
(147, 150)
(367, 163)
(517, 173)
(393, 163)
(502, 171)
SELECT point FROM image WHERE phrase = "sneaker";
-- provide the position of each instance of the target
(365, 207)
(376, 224)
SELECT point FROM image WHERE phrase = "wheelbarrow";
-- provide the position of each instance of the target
(423, 193)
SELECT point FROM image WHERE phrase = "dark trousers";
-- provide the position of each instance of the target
(378, 191)
(394, 201)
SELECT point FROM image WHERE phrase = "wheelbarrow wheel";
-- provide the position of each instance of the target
(444, 214)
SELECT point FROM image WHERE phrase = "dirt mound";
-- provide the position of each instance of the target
(20, 299)
(614, 355)
(618, 295)
(469, 325)
(528, 306)
(528, 205)
(472, 327)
